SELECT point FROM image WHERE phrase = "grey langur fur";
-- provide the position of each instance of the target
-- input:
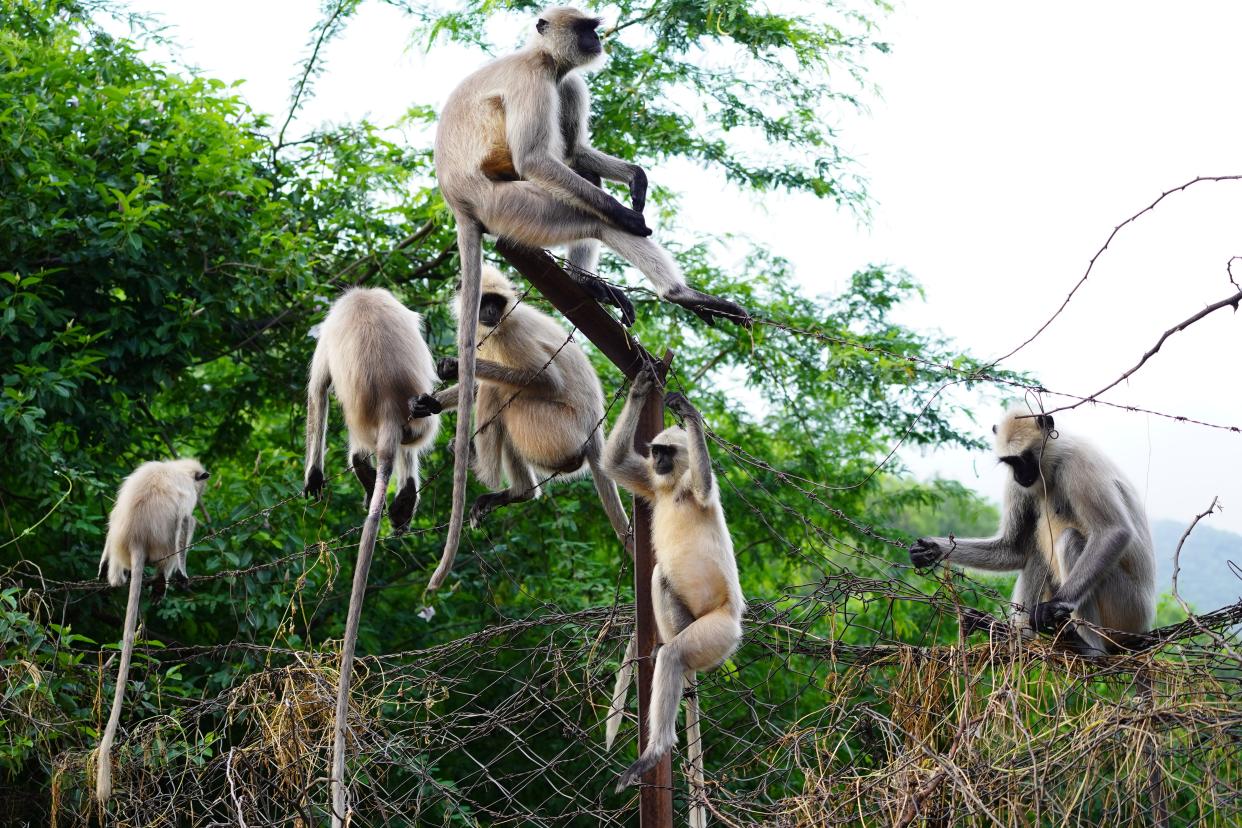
(152, 522)
(539, 407)
(1073, 528)
(513, 159)
(697, 600)
(372, 355)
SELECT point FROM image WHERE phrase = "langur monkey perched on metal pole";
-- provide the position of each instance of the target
(697, 600)
(152, 522)
(1073, 528)
(513, 159)
(371, 353)
(540, 408)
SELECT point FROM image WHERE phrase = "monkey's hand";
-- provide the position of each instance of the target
(638, 188)
(925, 553)
(631, 221)
(314, 483)
(644, 383)
(1051, 616)
(446, 368)
(681, 406)
(424, 405)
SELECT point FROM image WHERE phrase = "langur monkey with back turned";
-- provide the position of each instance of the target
(372, 355)
(513, 159)
(152, 522)
(697, 600)
(540, 407)
(1073, 528)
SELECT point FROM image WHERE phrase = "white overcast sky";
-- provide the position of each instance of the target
(1006, 143)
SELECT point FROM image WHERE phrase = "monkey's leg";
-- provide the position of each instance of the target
(702, 645)
(316, 422)
(523, 486)
(528, 214)
(389, 442)
(406, 502)
(361, 461)
(1034, 584)
(1084, 640)
(658, 267)
(694, 754)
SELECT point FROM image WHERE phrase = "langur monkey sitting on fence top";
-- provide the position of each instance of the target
(1073, 528)
(152, 522)
(513, 159)
(694, 586)
(371, 353)
(540, 408)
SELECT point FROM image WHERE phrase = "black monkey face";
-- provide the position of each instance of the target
(588, 38)
(1025, 468)
(492, 309)
(663, 458)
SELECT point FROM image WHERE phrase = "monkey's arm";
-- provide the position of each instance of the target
(1108, 534)
(543, 378)
(584, 158)
(1006, 552)
(622, 463)
(528, 128)
(546, 379)
(702, 480)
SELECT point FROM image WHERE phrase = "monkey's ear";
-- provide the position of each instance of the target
(1044, 421)
(993, 429)
(203, 475)
(541, 25)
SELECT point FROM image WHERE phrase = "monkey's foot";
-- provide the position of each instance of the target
(485, 505)
(158, 587)
(403, 506)
(180, 582)
(314, 483)
(707, 307)
(605, 292)
(1051, 616)
(424, 405)
(634, 774)
(973, 621)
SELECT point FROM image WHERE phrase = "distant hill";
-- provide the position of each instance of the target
(1205, 582)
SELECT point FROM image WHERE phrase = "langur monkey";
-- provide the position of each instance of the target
(540, 408)
(152, 522)
(371, 353)
(513, 159)
(1075, 531)
(694, 586)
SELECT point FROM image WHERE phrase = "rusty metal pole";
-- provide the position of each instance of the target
(655, 803)
(614, 342)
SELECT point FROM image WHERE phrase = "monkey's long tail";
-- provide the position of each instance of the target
(103, 760)
(389, 445)
(694, 755)
(470, 248)
(610, 499)
(625, 677)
